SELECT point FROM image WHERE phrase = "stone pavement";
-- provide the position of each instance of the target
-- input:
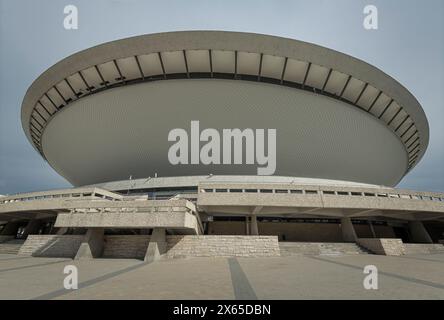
(293, 277)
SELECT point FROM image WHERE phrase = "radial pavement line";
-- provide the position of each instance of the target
(33, 266)
(418, 258)
(388, 274)
(241, 286)
(63, 291)
(15, 258)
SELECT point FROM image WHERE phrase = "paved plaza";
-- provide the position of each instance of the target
(293, 277)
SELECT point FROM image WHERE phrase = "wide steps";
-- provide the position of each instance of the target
(320, 248)
(11, 247)
(423, 248)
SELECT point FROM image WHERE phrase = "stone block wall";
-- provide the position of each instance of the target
(63, 246)
(180, 246)
(126, 246)
(387, 247)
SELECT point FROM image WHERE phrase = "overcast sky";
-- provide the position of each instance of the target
(409, 46)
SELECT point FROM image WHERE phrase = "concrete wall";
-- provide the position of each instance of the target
(221, 246)
(126, 246)
(127, 220)
(308, 232)
(387, 247)
(65, 246)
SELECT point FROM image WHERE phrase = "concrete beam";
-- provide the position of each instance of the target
(364, 213)
(92, 244)
(157, 245)
(168, 219)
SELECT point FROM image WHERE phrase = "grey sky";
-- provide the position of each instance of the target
(409, 46)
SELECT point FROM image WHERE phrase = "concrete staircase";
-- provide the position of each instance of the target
(320, 248)
(423, 248)
(11, 246)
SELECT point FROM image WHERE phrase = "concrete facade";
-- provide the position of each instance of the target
(330, 212)
(321, 95)
(304, 232)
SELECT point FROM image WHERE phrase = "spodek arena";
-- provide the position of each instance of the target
(208, 143)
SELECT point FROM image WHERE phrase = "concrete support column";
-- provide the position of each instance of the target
(62, 231)
(10, 229)
(348, 231)
(247, 225)
(157, 245)
(32, 227)
(92, 244)
(254, 231)
(372, 229)
(419, 233)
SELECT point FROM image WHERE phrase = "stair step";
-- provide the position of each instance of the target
(423, 248)
(11, 246)
(320, 248)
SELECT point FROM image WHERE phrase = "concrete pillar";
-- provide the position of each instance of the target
(371, 228)
(62, 231)
(92, 244)
(348, 231)
(32, 227)
(247, 226)
(10, 229)
(157, 245)
(254, 231)
(419, 233)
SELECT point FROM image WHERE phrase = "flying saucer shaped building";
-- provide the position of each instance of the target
(346, 133)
